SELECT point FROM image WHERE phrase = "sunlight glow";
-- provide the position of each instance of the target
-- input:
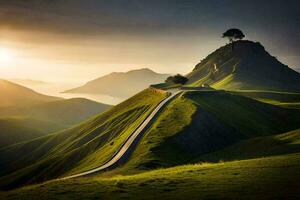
(6, 56)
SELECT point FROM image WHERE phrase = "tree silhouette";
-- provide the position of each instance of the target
(233, 34)
(177, 79)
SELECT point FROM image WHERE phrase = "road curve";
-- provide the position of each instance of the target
(125, 148)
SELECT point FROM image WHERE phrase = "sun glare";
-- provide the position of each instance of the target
(6, 56)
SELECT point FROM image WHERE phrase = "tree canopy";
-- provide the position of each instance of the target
(177, 79)
(233, 34)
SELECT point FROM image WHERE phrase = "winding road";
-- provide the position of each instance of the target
(124, 151)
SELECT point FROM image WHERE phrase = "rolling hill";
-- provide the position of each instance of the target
(18, 130)
(244, 65)
(121, 84)
(59, 114)
(282, 144)
(194, 124)
(200, 122)
(12, 94)
(26, 114)
(254, 179)
(78, 148)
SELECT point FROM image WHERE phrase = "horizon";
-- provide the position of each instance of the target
(48, 42)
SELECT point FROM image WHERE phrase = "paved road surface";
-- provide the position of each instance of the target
(125, 150)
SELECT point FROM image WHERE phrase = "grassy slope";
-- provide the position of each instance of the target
(64, 113)
(246, 67)
(275, 177)
(258, 147)
(284, 99)
(197, 123)
(16, 130)
(77, 149)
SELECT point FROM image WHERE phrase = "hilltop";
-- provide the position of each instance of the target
(244, 65)
(121, 84)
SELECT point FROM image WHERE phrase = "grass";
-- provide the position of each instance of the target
(248, 67)
(80, 148)
(192, 125)
(197, 123)
(15, 130)
(166, 86)
(284, 99)
(257, 147)
(59, 114)
(275, 177)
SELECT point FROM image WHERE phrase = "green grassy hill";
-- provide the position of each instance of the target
(275, 168)
(18, 130)
(244, 66)
(284, 99)
(83, 147)
(275, 177)
(258, 147)
(12, 94)
(192, 125)
(63, 113)
(197, 123)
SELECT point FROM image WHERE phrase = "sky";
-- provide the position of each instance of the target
(79, 40)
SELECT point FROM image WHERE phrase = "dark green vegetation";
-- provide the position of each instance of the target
(233, 34)
(275, 177)
(59, 114)
(284, 99)
(19, 130)
(177, 79)
(119, 84)
(77, 149)
(12, 94)
(258, 147)
(197, 123)
(246, 67)
(25, 114)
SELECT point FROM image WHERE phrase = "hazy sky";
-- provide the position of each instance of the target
(77, 40)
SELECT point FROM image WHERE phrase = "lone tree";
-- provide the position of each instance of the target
(177, 79)
(233, 34)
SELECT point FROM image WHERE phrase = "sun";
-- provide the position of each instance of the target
(6, 55)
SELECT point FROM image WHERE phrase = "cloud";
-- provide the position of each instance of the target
(130, 24)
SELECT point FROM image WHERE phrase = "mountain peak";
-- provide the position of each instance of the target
(142, 70)
(121, 84)
(244, 65)
(243, 47)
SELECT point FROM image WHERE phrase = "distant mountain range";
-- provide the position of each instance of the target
(25, 114)
(28, 82)
(121, 84)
